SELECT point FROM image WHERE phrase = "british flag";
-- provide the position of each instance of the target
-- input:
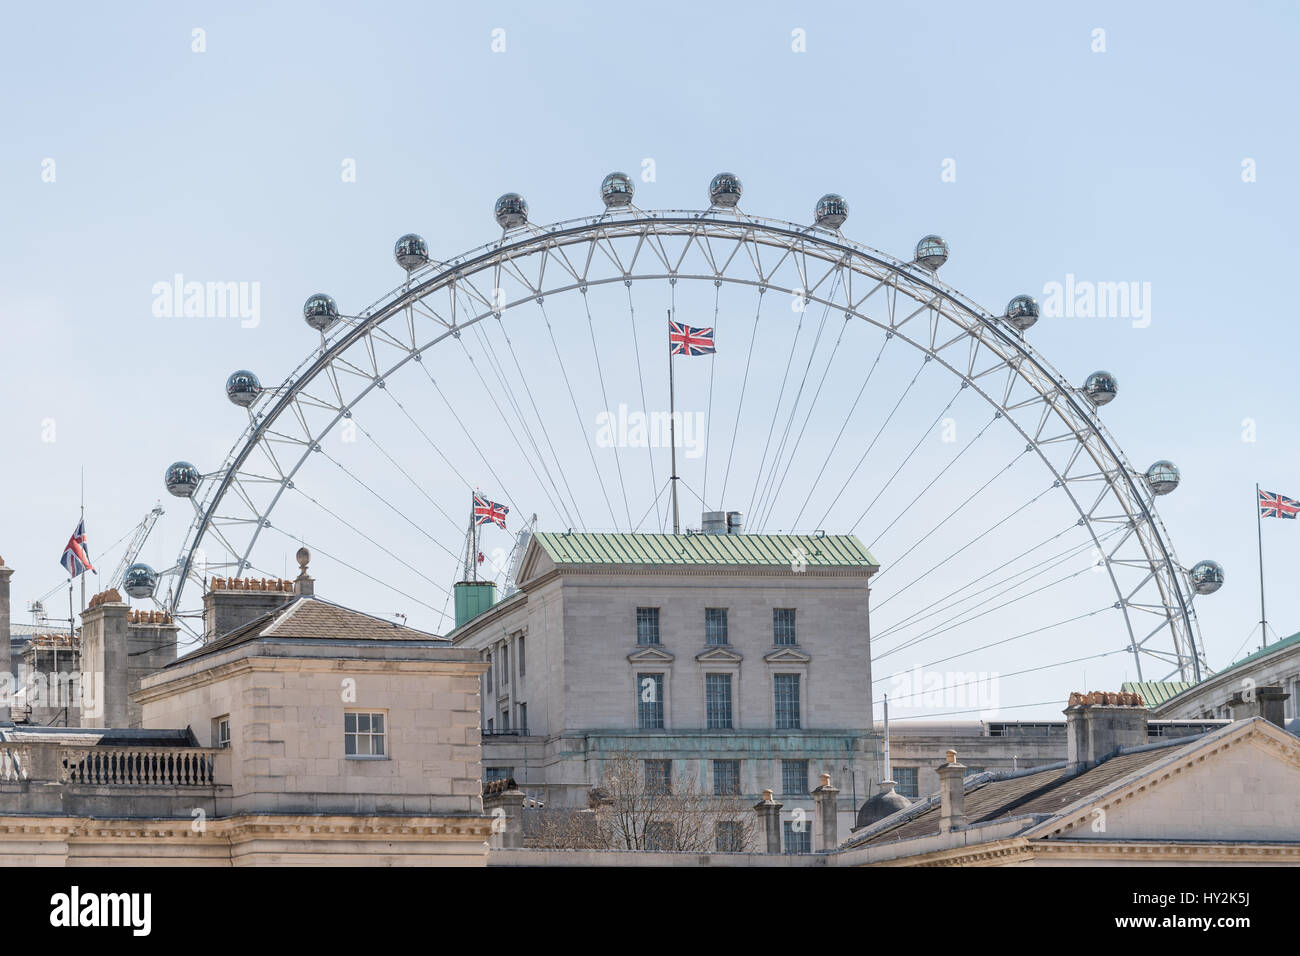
(489, 511)
(688, 340)
(1273, 505)
(75, 560)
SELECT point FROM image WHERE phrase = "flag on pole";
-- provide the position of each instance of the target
(75, 560)
(489, 512)
(1272, 505)
(688, 340)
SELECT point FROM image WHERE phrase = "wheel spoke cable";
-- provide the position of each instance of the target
(604, 397)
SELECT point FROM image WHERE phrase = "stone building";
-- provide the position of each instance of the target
(742, 661)
(306, 734)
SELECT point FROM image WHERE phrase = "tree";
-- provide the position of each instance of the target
(634, 808)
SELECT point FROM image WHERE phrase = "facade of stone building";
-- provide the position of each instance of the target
(309, 734)
(742, 661)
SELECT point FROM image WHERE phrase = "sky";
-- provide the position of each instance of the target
(286, 148)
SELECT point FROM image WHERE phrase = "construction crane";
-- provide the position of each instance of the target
(517, 557)
(138, 538)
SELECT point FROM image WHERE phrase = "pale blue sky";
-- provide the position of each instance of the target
(225, 165)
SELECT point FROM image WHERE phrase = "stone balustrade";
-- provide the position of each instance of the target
(139, 766)
(15, 762)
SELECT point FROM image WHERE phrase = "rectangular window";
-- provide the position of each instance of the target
(505, 664)
(490, 725)
(523, 719)
(505, 719)
(659, 776)
(715, 625)
(497, 773)
(786, 697)
(488, 675)
(650, 701)
(521, 655)
(731, 836)
(905, 777)
(794, 777)
(783, 626)
(647, 625)
(659, 836)
(221, 732)
(798, 835)
(726, 778)
(717, 701)
(363, 734)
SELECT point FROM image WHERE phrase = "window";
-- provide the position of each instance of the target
(794, 776)
(659, 776)
(731, 836)
(647, 625)
(715, 625)
(786, 694)
(505, 719)
(523, 718)
(221, 732)
(717, 701)
(505, 664)
(521, 655)
(488, 675)
(659, 836)
(783, 626)
(497, 773)
(726, 778)
(363, 734)
(650, 701)
(905, 777)
(490, 725)
(798, 835)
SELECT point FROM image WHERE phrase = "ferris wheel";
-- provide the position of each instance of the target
(531, 368)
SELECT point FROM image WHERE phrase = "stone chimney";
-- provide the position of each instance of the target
(1268, 702)
(503, 801)
(952, 795)
(1097, 724)
(5, 574)
(233, 602)
(769, 818)
(104, 661)
(825, 800)
(150, 644)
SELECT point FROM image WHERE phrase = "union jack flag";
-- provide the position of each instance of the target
(687, 340)
(1273, 505)
(75, 560)
(489, 511)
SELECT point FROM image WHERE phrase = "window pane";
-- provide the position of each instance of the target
(715, 625)
(717, 702)
(786, 693)
(650, 701)
(794, 776)
(726, 778)
(349, 723)
(647, 625)
(363, 723)
(783, 626)
(349, 744)
(377, 723)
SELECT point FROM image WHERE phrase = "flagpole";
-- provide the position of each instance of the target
(1259, 532)
(672, 431)
(83, 528)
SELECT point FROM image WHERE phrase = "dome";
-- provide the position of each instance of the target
(831, 211)
(616, 190)
(320, 312)
(182, 479)
(932, 252)
(1206, 577)
(1163, 477)
(1100, 387)
(511, 211)
(884, 804)
(1022, 312)
(242, 388)
(140, 581)
(724, 190)
(411, 252)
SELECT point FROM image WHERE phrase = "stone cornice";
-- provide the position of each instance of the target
(240, 829)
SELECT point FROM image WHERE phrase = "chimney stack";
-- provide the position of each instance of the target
(104, 661)
(825, 799)
(952, 795)
(231, 603)
(5, 631)
(1097, 724)
(1268, 702)
(769, 817)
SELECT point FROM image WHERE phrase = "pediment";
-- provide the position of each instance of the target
(787, 655)
(720, 654)
(650, 655)
(536, 562)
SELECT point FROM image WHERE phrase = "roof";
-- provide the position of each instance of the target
(1264, 651)
(1156, 692)
(1046, 791)
(310, 618)
(752, 550)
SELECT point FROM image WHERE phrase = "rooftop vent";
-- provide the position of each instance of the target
(722, 522)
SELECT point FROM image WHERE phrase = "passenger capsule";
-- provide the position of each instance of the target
(724, 190)
(511, 211)
(182, 479)
(616, 190)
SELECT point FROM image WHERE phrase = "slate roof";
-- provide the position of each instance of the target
(731, 550)
(1041, 791)
(310, 618)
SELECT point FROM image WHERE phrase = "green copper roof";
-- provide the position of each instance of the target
(760, 550)
(1156, 692)
(1264, 651)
